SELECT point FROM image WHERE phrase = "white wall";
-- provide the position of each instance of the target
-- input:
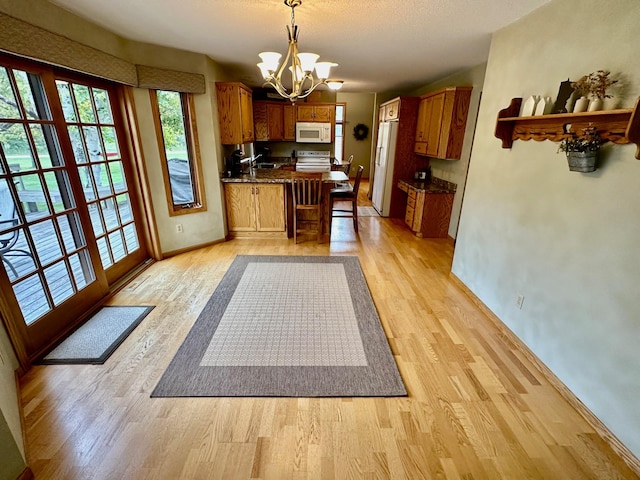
(567, 241)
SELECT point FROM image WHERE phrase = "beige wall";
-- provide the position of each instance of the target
(360, 109)
(199, 228)
(455, 171)
(567, 241)
(11, 440)
(44, 14)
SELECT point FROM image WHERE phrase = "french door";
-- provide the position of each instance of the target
(67, 210)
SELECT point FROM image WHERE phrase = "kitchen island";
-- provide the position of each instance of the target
(429, 205)
(259, 204)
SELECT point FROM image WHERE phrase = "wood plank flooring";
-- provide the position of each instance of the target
(477, 408)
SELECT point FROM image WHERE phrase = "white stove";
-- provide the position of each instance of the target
(313, 161)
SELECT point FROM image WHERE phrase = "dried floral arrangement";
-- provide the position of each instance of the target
(594, 84)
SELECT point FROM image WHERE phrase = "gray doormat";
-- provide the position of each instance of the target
(286, 326)
(367, 211)
(98, 337)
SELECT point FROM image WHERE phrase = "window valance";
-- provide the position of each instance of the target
(27, 40)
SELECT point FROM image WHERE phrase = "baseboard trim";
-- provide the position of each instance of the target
(607, 435)
(173, 253)
(27, 474)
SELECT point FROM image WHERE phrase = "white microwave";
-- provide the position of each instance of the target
(313, 132)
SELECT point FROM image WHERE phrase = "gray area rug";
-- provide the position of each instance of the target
(98, 337)
(367, 211)
(286, 326)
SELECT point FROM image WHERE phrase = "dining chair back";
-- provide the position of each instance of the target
(346, 169)
(346, 194)
(347, 166)
(307, 206)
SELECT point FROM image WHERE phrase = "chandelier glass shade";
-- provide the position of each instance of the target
(298, 66)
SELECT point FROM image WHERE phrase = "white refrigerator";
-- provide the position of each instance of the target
(383, 168)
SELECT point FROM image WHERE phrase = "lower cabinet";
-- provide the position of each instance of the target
(256, 210)
(428, 214)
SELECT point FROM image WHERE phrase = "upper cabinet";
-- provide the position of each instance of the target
(307, 112)
(235, 113)
(289, 120)
(274, 121)
(442, 118)
(389, 110)
(268, 121)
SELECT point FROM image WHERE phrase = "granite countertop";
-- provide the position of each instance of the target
(436, 185)
(277, 175)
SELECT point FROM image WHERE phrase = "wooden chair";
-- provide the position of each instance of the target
(346, 194)
(346, 169)
(347, 165)
(307, 206)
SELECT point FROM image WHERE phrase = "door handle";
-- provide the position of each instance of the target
(378, 156)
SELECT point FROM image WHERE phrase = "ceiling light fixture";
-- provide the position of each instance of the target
(300, 66)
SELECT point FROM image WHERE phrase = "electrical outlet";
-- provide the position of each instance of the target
(519, 301)
(179, 228)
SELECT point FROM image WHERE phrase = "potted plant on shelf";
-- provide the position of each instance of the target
(594, 85)
(582, 150)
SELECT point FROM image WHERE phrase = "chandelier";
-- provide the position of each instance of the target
(299, 65)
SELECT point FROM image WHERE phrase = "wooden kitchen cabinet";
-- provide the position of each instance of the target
(390, 110)
(274, 121)
(442, 119)
(315, 113)
(289, 121)
(235, 113)
(427, 213)
(268, 119)
(256, 210)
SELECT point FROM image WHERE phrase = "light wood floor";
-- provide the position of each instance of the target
(477, 409)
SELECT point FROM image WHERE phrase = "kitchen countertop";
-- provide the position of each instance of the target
(276, 175)
(436, 185)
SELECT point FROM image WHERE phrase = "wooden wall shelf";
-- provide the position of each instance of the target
(616, 126)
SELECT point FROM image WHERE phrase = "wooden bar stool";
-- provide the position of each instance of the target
(307, 206)
(346, 194)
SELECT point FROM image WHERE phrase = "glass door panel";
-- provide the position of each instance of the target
(44, 250)
(89, 118)
(67, 212)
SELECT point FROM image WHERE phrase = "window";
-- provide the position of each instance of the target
(339, 133)
(69, 210)
(179, 152)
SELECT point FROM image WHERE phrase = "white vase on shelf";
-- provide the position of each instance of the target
(529, 106)
(595, 104)
(581, 105)
(544, 106)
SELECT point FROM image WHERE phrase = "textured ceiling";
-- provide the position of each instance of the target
(380, 45)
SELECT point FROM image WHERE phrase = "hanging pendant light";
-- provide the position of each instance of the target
(300, 66)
